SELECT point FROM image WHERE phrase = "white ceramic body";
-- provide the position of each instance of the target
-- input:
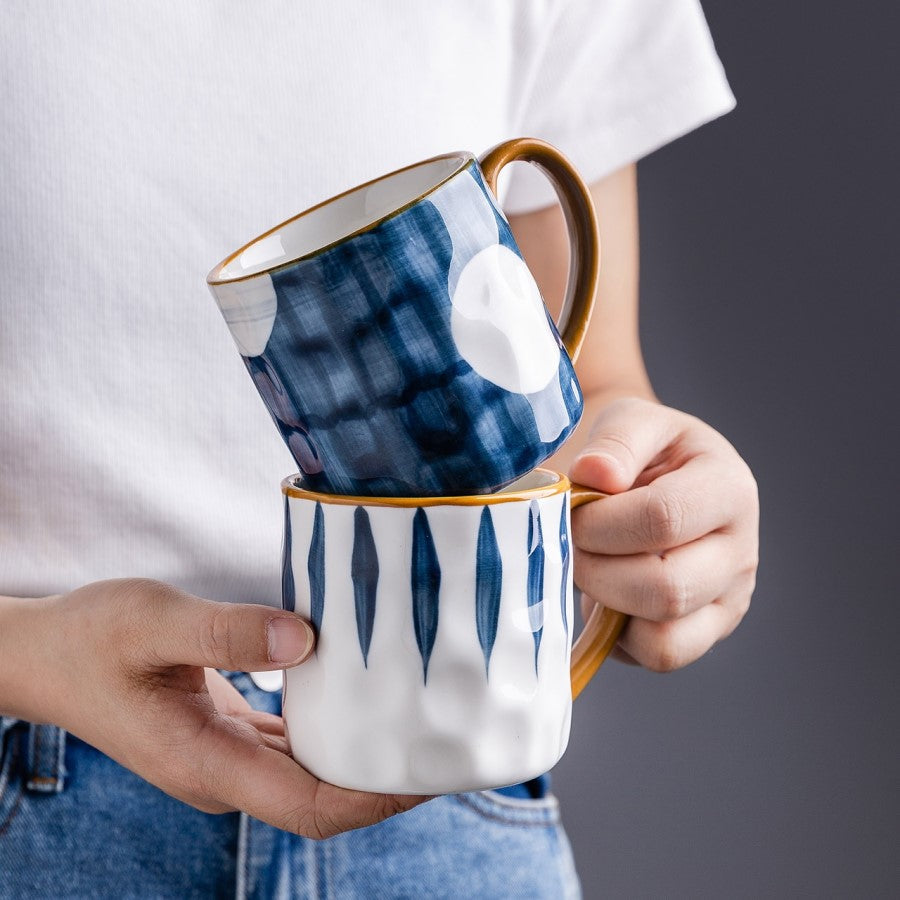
(454, 703)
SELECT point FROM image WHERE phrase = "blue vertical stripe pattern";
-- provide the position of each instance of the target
(364, 572)
(565, 558)
(488, 585)
(426, 584)
(535, 577)
(315, 566)
(288, 597)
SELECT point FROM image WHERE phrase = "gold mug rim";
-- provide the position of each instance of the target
(216, 278)
(560, 485)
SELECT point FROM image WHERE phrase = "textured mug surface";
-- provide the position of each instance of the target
(400, 342)
(444, 636)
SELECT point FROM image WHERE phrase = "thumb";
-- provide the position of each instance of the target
(625, 439)
(234, 636)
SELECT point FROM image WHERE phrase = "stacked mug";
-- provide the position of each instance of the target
(402, 347)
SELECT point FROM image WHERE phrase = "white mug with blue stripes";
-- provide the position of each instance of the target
(397, 337)
(444, 660)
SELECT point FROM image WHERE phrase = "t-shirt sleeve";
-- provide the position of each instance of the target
(612, 81)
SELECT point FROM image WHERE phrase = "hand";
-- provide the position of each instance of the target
(676, 546)
(123, 663)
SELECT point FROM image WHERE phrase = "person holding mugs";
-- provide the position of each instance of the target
(140, 523)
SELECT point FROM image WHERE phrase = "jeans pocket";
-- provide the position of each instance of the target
(531, 851)
(498, 807)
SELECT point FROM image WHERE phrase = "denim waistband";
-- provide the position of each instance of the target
(100, 827)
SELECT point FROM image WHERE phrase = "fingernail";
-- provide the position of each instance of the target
(602, 455)
(609, 460)
(605, 456)
(289, 640)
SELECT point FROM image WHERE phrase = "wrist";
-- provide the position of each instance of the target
(25, 685)
(599, 398)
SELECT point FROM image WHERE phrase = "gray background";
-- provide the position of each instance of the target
(770, 309)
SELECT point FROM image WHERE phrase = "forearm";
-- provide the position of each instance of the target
(25, 628)
(611, 363)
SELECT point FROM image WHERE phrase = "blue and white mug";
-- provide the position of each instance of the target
(444, 659)
(397, 337)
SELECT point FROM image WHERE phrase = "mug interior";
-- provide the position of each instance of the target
(534, 480)
(339, 218)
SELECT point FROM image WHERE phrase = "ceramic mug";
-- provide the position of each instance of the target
(397, 337)
(444, 659)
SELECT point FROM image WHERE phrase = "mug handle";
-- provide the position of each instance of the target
(603, 627)
(581, 221)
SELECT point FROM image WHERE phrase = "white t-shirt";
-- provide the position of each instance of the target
(140, 143)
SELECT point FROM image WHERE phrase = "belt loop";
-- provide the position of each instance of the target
(46, 759)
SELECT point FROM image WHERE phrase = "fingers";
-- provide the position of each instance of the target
(188, 630)
(195, 738)
(659, 587)
(270, 729)
(225, 696)
(229, 701)
(676, 508)
(242, 773)
(626, 437)
(666, 646)
(675, 544)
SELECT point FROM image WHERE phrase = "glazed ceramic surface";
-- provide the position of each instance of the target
(444, 640)
(399, 340)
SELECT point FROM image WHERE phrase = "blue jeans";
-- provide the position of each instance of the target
(73, 823)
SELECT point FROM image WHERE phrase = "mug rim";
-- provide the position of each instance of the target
(559, 485)
(216, 276)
